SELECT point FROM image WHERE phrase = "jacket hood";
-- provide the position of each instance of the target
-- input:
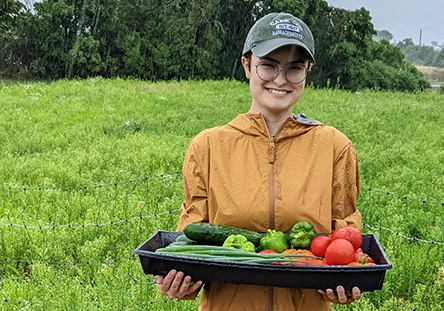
(254, 124)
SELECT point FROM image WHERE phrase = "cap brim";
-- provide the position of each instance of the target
(266, 47)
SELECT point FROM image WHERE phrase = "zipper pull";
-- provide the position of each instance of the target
(271, 150)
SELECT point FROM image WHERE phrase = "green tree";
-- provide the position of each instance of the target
(383, 35)
(180, 39)
(343, 40)
(387, 53)
(57, 41)
(402, 45)
(50, 34)
(10, 12)
(419, 54)
(236, 18)
(438, 61)
(86, 58)
(295, 7)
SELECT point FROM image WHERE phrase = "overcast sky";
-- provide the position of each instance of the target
(403, 18)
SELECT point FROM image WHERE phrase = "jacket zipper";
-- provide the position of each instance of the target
(271, 212)
(271, 154)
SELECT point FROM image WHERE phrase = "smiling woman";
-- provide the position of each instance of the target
(287, 167)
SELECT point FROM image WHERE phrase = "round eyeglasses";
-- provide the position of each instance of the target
(268, 71)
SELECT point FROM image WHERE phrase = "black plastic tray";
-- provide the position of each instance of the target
(367, 278)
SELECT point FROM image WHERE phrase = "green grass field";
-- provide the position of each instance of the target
(91, 168)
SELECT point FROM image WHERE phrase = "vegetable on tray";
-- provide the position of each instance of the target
(221, 242)
(211, 263)
(339, 252)
(217, 234)
(213, 252)
(350, 234)
(275, 240)
(238, 241)
(301, 234)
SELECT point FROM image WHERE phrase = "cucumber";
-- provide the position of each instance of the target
(217, 234)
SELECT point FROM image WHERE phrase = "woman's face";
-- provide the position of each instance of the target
(275, 97)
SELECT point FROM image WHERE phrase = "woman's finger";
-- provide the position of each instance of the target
(342, 296)
(165, 285)
(158, 279)
(356, 293)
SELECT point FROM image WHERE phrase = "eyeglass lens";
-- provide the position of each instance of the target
(268, 71)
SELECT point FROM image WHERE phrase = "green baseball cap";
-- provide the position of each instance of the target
(275, 30)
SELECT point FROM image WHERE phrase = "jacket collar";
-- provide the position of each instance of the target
(253, 124)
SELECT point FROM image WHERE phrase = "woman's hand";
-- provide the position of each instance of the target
(176, 285)
(341, 296)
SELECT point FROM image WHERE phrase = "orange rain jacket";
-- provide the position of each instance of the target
(238, 175)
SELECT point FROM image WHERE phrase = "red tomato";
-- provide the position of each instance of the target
(270, 251)
(319, 244)
(368, 259)
(359, 251)
(339, 252)
(362, 257)
(350, 234)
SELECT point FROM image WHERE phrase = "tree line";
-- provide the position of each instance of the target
(421, 55)
(188, 39)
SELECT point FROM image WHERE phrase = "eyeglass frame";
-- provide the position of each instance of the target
(279, 71)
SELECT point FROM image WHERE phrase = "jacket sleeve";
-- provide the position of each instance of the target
(195, 182)
(194, 208)
(346, 189)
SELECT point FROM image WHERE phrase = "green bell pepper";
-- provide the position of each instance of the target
(274, 240)
(301, 234)
(239, 241)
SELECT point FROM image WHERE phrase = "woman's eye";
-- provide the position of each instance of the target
(296, 68)
(269, 65)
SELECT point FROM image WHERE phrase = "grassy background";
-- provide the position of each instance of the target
(91, 168)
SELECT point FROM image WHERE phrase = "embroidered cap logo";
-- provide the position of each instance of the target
(286, 29)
